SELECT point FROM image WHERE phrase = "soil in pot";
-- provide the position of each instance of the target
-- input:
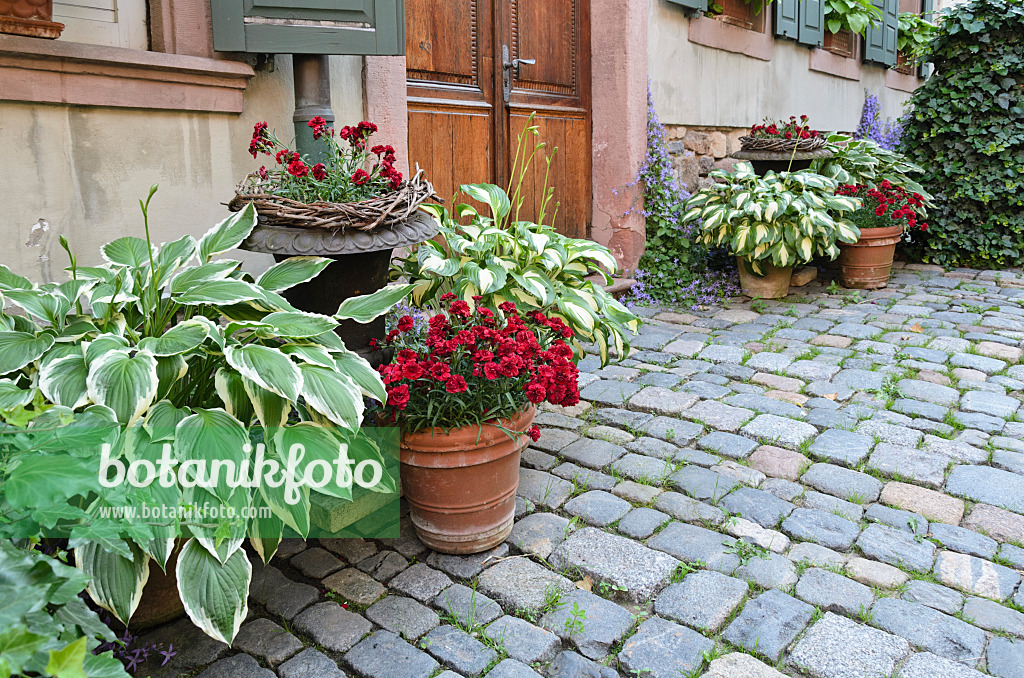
(461, 485)
(774, 284)
(866, 264)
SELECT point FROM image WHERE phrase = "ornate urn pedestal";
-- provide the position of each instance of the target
(779, 161)
(361, 260)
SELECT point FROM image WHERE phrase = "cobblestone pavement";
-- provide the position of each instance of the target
(829, 486)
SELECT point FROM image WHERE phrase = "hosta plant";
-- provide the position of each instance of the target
(169, 348)
(864, 162)
(496, 258)
(785, 219)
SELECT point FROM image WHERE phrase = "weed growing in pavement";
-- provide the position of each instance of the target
(574, 622)
(745, 550)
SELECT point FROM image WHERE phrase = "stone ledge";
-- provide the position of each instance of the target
(90, 75)
(712, 33)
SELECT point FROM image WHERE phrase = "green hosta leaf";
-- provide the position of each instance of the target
(214, 594)
(333, 395)
(214, 436)
(46, 306)
(68, 661)
(492, 195)
(19, 348)
(63, 381)
(169, 369)
(174, 254)
(230, 387)
(590, 250)
(182, 338)
(228, 234)
(126, 384)
(162, 418)
(116, 582)
(487, 279)
(13, 281)
(365, 377)
(265, 531)
(847, 232)
(291, 272)
(296, 324)
(317, 445)
(127, 251)
(310, 353)
(271, 409)
(215, 270)
(432, 261)
(268, 367)
(578, 315)
(805, 248)
(219, 292)
(369, 307)
(102, 345)
(12, 395)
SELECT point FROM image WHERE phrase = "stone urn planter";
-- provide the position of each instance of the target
(866, 264)
(774, 284)
(33, 18)
(461, 485)
(361, 260)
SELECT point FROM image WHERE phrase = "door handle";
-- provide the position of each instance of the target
(507, 65)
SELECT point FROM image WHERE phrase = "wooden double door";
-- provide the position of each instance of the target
(472, 88)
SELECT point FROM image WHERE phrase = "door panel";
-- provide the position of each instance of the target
(461, 127)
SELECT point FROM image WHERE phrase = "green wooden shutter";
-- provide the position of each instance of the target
(787, 19)
(699, 5)
(874, 47)
(928, 12)
(309, 26)
(812, 22)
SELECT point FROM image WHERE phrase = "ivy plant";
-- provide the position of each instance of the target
(913, 34)
(495, 257)
(966, 129)
(170, 348)
(784, 219)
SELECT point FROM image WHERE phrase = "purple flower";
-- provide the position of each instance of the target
(886, 133)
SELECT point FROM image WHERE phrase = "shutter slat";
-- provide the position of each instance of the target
(874, 37)
(787, 19)
(812, 22)
(891, 22)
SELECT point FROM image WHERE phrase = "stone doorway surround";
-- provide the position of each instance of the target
(619, 137)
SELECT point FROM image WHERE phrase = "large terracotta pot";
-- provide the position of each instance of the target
(774, 284)
(461, 485)
(866, 264)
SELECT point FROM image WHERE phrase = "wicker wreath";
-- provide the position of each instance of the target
(780, 144)
(365, 215)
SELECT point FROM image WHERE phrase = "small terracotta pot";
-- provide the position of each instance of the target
(461, 486)
(160, 601)
(866, 264)
(33, 18)
(773, 285)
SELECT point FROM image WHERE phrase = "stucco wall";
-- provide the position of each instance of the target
(701, 86)
(83, 169)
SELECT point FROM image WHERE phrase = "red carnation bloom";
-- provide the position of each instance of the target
(535, 393)
(319, 171)
(283, 156)
(459, 308)
(412, 370)
(455, 384)
(534, 433)
(297, 168)
(360, 177)
(398, 396)
(405, 323)
(440, 371)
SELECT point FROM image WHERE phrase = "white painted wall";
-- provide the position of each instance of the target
(700, 86)
(84, 168)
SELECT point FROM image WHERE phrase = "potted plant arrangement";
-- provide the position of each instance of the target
(463, 393)
(772, 223)
(498, 257)
(781, 146)
(886, 213)
(349, 204)
(171, 347)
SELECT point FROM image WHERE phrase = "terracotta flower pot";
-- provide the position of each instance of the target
(773, 285)
(160, 601)
(33, 18)
(461, 486)
(866, 264)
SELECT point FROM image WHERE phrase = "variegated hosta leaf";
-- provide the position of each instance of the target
(230, 387)
(62, 381)
(488, 279)
(369, 307)
(215, 595)
(18, 349)
(264, 531)
(125, 383)
(116, 582)
(359, 371)
(493, 196)
(228, 234)
(291, 272)
(216, 437)
(268, 367)
(182, 338)
(319, 446)
(190, 277)
(219, 292)
(128, 251)
(432, 261)
(12, 395)
(333, 395)
(297, 324)
(271, 409)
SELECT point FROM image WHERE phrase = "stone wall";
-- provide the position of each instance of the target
(696, 151)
